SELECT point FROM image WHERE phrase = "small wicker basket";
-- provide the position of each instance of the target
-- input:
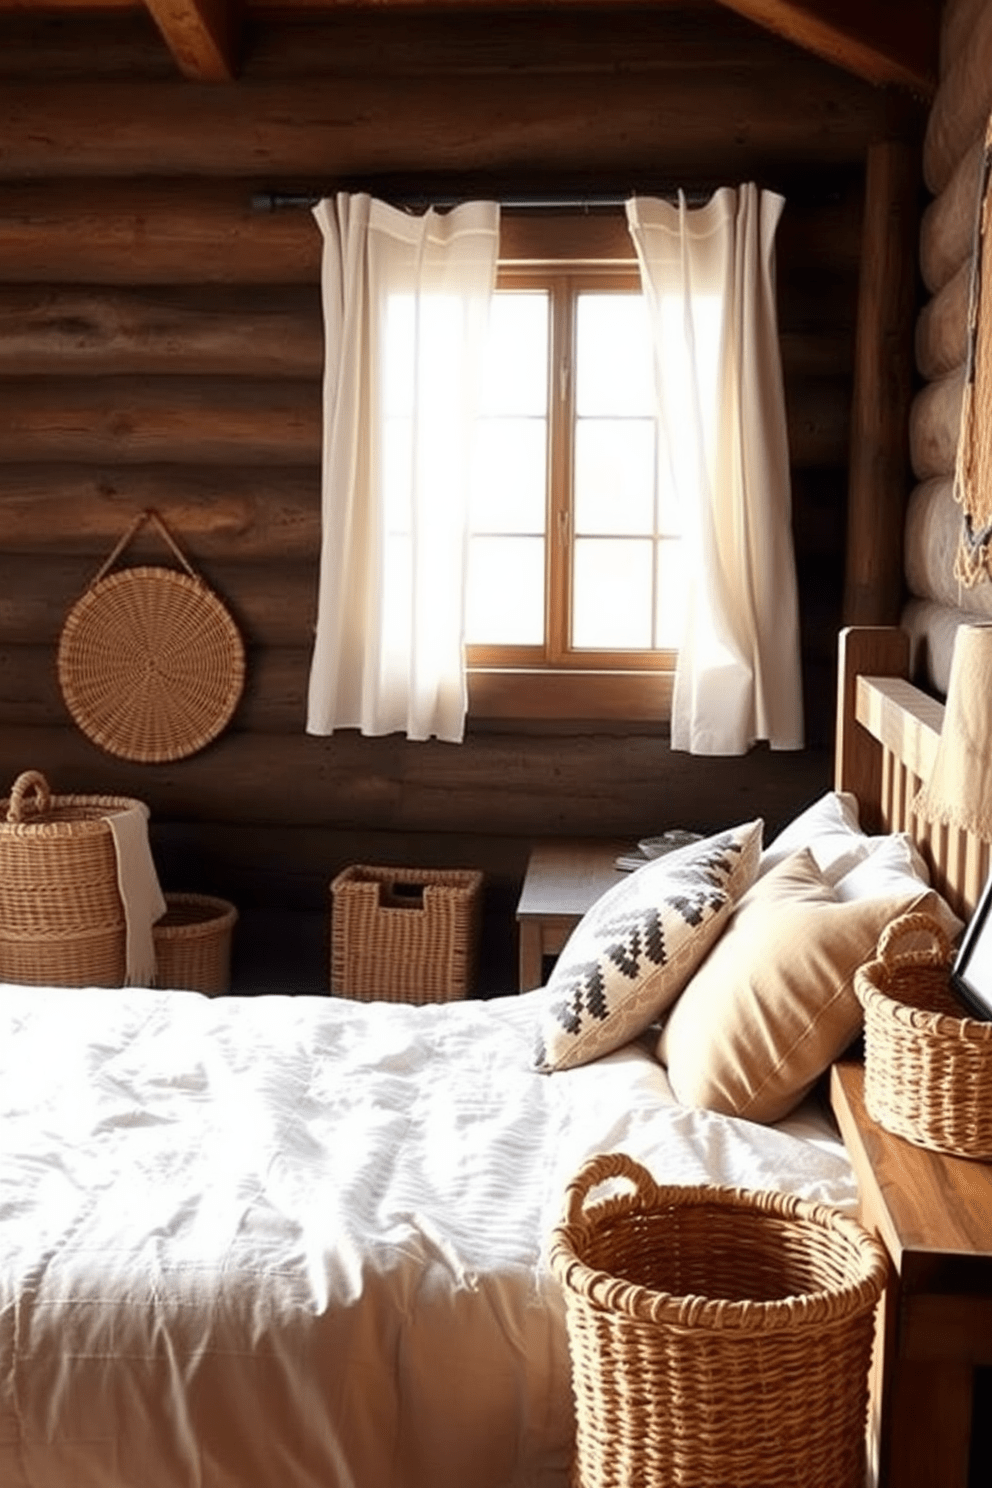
(928, 1067)
(717, 1336)
(62, 920)
(193, 943)
(404, 934)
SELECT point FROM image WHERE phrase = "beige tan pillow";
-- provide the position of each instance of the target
(773, 1004)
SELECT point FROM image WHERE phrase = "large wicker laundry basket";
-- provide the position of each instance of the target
(928, 1067)
(62, 920)
(718, 1336)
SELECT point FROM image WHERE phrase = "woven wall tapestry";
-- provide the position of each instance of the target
(150, 663)
(973, 469)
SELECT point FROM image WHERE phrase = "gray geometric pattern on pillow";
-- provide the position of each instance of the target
(618, 969)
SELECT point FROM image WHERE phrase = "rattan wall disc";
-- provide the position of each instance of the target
(150, 664)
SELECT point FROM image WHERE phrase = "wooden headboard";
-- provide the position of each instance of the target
(887, 733)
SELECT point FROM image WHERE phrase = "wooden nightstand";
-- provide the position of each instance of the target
(934, 1216)
(563, 880)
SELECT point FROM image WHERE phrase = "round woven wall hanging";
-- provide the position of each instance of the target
(150, 663)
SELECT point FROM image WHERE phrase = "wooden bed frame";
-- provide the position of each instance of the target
(933, 1213)
(887, 733)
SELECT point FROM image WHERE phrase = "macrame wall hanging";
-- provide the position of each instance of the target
(973, 468)
(150, 663)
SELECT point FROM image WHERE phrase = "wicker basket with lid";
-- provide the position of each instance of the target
(62, 920)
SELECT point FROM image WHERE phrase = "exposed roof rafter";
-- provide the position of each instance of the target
(204, 36)
(887, 41)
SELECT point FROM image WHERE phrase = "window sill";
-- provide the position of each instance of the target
(643, 697)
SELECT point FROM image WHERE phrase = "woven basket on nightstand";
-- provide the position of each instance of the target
(717, 1336)
(928, 1068)
(404, 934)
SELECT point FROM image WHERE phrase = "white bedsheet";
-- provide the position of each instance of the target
(282, 1242)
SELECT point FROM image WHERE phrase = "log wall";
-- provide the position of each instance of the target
(161, 345)
(952, 162)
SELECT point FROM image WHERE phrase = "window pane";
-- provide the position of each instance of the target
(670, 618)
(611, 602)
(509, 478)
(515, 375)
(613, 354)
(614, 476)
(505, 591)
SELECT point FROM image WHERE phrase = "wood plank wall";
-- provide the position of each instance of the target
(161, 344)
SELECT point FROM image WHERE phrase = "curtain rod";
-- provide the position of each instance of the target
(274, 201)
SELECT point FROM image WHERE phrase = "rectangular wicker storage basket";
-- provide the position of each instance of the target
(193, 943)
(62, 920)
(928, 1067)
(718, 1336)
(404, 934)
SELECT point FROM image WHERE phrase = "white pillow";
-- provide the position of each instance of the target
(634, 950)
(830, 829)
(855, 865)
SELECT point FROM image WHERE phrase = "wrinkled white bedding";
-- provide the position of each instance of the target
(280, 1242)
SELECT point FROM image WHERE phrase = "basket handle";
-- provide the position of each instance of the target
(26, 783)
(916, 922)
(596, 1171)
(156, 521)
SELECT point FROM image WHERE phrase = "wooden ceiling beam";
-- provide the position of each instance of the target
(204, 36)
(884, 42)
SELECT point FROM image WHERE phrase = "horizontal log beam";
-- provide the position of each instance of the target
(598, 785)
(261, 331)
(961, 107)
(272, 604)
(148, 232)
(264, 331)
(932, 629)
(933, 529)
(273, 701)
(323, 130)
(942, 327)
(185, 419)
(151, 232)
(231, 513)
(279, 867)
(947, 230)
(934, 426)
(211, 421)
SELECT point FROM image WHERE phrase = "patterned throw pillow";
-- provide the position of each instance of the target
(632, 953)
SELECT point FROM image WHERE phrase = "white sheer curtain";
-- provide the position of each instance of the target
(406, 303)
(709, 280)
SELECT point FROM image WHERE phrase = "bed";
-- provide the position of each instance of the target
(300, 1241)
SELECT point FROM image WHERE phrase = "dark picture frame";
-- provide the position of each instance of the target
(971, 973)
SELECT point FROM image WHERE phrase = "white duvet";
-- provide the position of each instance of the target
(281, 1242)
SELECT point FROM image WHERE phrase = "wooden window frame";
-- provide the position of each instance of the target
(566, 254)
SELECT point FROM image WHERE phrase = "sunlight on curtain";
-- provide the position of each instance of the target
(406, 303)
(709, 280)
